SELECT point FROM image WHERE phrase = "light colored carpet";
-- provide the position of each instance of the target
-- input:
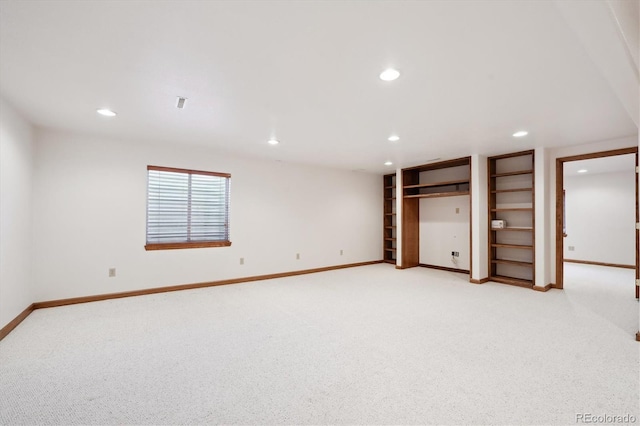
(368, 345)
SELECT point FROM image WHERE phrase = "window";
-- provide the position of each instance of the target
(187, 209)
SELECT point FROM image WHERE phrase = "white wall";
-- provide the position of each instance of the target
(90, 216)
(543, 216)
(600, 217)
(479, 218)
(443, 230)
(16, 170)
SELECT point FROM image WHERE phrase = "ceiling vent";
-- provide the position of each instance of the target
(181, 102)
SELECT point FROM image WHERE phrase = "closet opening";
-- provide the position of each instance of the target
(436, 216)
(596, 212)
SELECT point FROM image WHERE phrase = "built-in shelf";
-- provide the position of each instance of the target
(449, 178)
(513, 173)
(438, 194)
(430, 185)
(500, 191)
(513, 209)
(512, 281)
(512, 262)
(513, 246)
(448, 188)
(389, 212)
(510, 186)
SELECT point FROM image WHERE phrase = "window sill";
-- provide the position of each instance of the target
(199, 244)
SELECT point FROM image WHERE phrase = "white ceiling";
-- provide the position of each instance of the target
(306, 72)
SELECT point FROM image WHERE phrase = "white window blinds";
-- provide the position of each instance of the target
(187, 207)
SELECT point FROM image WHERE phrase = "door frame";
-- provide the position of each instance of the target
(560, 208)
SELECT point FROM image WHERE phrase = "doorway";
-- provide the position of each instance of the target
(561, 213)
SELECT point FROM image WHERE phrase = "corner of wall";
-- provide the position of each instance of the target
(16, 177)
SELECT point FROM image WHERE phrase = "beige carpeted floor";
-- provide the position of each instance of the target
(368, 345)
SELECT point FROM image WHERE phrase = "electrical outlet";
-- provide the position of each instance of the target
(457, 210)
(112, 272)
(572, 248)
(297, 256)
(242, 260)
(455, 253)
(341, 253)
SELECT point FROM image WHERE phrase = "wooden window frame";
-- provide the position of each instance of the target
(187, 244)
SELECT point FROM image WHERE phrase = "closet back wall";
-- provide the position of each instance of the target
(90, 215)
(442, 231)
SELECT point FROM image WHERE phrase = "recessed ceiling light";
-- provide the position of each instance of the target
(388, 163)
(582, 171)
(520, 134)
(106, 112)
(389, 74)
(273, 141)
(394, 138)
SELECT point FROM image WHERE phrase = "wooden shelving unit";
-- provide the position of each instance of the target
(417, 184)
(437, 189)
(512, 199)
(389, 231)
